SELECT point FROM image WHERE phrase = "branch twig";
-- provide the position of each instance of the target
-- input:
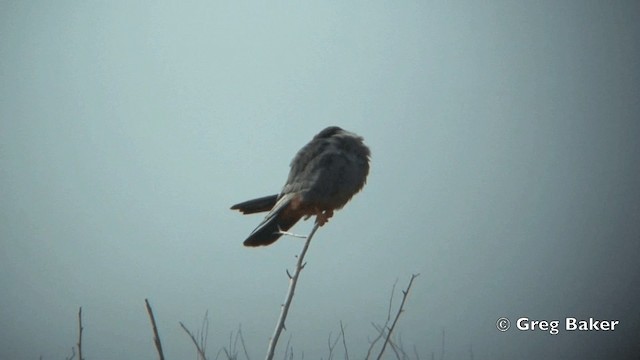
(73, 354)
(382, 331)
(195, 342)
(386, 323)
(156, 337)
(287, 303)
(344, 342)
(244, 348)
(80, 334)
(400, 310)
(332, 345)
(442, 353)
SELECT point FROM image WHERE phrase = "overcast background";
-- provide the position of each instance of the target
(505, 170)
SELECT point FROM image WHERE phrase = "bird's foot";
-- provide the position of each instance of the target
(322, 217)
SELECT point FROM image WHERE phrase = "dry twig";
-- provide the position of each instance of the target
(73, 354)
(80, 334)
(156, 337)
(395, 320)
(386, 323)
(442, 352)
(244, 347)
(344, 342)
(382, 331)
(232, 352)
(200, 350)
(332, 345)
(293, 281)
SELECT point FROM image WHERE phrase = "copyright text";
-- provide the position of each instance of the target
(553, 327)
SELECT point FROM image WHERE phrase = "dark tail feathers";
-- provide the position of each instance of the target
(262, 204)
(269, 230)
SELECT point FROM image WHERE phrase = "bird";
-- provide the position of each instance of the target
(324, 175)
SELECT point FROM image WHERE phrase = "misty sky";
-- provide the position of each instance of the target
(505, 141)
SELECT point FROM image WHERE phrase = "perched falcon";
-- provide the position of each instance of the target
(324, 175)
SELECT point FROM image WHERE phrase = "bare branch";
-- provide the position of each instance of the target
(442, 353)
(405, 293)
(201, 355)
(393, 291)
(73, 353)
(344, 342)
(80, 334)
(232, 352)
(288, 348)
(232, 347)
(405, 356)
(382, 331)
(287, 303)
(204, 334)
(244, 347)
(386, 323)
(218, 354)
(156, 337)
(332, 345)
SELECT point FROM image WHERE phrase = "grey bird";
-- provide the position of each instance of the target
(324, 176)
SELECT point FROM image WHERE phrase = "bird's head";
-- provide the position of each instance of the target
(329, 132)
(345, 138)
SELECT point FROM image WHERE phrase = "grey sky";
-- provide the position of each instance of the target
(505, 170)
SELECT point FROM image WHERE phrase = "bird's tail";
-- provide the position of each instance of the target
(269, 230)
(262, 204)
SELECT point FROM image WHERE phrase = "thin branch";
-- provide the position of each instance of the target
(400, 310)
(73, 353)
(386, 323)
(344, 342)
(382, 331)
(405, 356)
(442, 353)
(80, 334)
(288, 348)
(195, 342)
(373, 343)
(233, 344)
(218, 353)
(244, 347)
(204, 334)
(156, 337)
(332, 345)
(287, 303)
